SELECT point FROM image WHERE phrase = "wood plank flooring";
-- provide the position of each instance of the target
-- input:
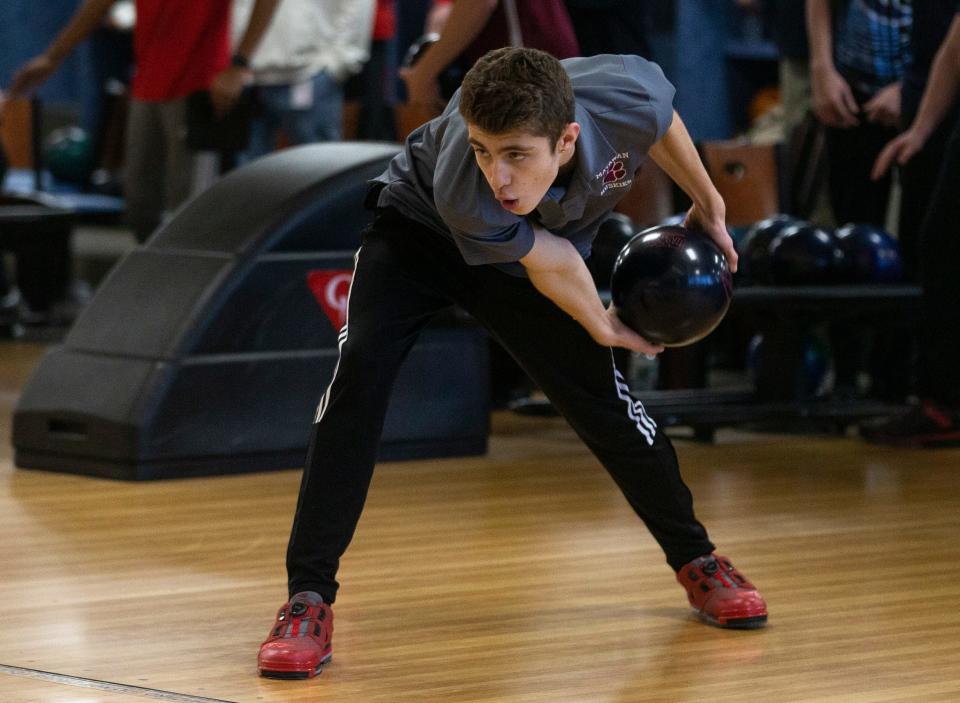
(521, 576)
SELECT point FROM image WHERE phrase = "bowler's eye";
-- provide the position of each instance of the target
(480, 153)
(517, 156)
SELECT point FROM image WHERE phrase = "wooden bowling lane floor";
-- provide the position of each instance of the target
(519, 576)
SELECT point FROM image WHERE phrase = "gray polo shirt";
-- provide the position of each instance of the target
(623, 105)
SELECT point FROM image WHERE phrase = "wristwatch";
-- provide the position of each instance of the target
(240, 61)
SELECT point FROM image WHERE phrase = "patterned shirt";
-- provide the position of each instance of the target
(872, 43)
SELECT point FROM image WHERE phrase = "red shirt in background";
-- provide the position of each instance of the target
(544, 25)
(384, 21)
(179, 46)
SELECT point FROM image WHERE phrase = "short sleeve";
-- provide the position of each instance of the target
(655, 88)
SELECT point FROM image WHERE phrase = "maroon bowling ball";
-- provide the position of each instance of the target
(672, 285)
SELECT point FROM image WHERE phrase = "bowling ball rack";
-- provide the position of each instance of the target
(781, 314)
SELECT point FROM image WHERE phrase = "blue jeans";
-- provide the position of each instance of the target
(320, 121)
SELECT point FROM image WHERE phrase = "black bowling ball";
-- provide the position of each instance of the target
(871, 254)
(612, 236)
(753, 248)
(806, 255)
(672, 285)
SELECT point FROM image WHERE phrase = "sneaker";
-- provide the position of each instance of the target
(300, 641)
(721, 595)
(926, 425)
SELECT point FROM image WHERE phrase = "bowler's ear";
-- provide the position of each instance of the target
(568, 137)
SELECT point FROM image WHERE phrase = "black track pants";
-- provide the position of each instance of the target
(404, 275)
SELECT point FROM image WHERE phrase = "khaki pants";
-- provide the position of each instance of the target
(159, 166)
(795, 92)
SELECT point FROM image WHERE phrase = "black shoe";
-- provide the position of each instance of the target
(926, 425)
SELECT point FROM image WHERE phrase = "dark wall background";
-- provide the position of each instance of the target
(26, 27)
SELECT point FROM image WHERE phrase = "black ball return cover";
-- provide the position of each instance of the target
(205, 351)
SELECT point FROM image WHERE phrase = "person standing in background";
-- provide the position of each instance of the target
(935, 420)
(180, 47)
(918, 176)
(790, 34)
(474, 27)
(374, 87)
(858, 52)
(310, 49)
(610, 26)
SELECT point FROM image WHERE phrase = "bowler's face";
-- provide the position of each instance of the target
(520, 167)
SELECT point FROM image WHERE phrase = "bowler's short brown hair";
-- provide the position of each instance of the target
(518, 89)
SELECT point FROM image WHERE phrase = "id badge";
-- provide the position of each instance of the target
(301, 95)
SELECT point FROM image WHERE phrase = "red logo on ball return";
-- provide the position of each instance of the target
(331, 288)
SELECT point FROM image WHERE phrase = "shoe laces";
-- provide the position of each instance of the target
(299, 617)
(718, 572)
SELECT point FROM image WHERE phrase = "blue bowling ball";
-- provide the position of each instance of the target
(871, 255)
(671, 285)
(815, 375)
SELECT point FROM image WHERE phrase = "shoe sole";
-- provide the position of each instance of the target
(294, 675)
(753, 622)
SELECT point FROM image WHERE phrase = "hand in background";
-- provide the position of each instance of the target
(227, 87)
(31, 75)
(901, 150)
(884, 107)
(833, 100)
(422, 90)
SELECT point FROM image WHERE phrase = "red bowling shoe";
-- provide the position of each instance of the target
(300, 641)
(721, 595)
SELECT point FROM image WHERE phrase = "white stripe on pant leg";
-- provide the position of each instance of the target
(635, 410)
(341, 339)
(642, 411)
(623, 390)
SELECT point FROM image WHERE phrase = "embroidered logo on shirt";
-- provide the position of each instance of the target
(614, 174)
